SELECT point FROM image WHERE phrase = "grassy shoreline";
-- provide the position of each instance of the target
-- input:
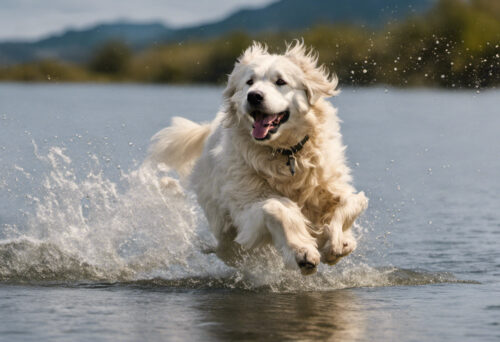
(455, 45)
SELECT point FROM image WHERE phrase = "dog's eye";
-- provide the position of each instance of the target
(250, 82)
(280, 82)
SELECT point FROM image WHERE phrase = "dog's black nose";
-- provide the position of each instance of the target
(255, 98)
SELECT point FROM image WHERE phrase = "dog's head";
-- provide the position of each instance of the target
(272, 95)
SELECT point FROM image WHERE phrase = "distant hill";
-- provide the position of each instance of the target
(135, 34)
(287, 15)
(284, 15)
(73, 45)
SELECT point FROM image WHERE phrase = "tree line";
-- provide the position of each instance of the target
(456, 45)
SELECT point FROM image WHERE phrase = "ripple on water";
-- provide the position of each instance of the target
(493, 307)
(41, 263)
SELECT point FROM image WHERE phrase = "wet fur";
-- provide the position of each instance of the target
(247, 192)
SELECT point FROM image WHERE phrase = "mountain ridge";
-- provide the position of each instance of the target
(284, 15)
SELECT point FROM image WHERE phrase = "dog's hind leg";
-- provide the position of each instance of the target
(228, 250)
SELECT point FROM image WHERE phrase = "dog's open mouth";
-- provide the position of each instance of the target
(266, 124)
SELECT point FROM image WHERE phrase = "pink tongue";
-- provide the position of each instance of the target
(262, 125)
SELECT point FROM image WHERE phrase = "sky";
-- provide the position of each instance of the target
(32, 19)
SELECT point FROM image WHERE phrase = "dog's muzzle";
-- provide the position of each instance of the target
(267, 124)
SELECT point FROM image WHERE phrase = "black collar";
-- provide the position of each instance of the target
(290, 153)
(294, 149)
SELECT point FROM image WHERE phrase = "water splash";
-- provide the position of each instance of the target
(144, 229)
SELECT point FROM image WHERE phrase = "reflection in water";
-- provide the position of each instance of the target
(330, 316)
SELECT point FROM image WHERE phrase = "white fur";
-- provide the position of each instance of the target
(247, 192)
(180, 144)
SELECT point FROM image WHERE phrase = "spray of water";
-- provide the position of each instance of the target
(145, 228)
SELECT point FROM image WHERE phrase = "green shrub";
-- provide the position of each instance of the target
(112, 58)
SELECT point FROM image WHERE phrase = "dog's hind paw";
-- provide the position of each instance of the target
(308, 260)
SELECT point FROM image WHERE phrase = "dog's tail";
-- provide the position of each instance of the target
(179, 145)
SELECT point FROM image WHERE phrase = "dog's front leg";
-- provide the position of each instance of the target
(282, 219)
(338, 237)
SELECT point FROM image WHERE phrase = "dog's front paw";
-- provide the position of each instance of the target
(308, 259)
(335, 249)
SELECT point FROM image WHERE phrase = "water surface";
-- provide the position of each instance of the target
(93, 248)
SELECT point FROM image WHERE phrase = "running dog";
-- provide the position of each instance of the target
(270, 168)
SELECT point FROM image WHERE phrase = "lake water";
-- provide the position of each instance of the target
(91, 248)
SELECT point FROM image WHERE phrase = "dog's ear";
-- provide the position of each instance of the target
(318, 82)
(254, 50)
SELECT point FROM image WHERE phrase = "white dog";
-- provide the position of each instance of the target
(271, 166)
